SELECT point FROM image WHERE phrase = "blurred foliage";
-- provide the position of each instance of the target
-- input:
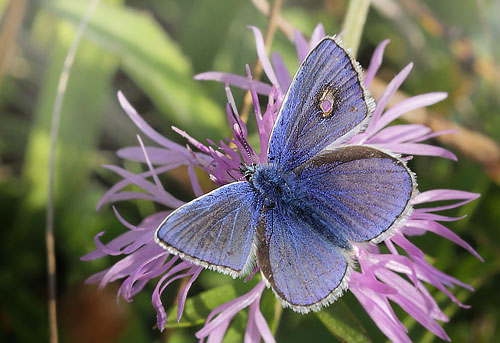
(150, 50)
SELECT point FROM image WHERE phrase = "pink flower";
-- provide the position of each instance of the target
(381, 276)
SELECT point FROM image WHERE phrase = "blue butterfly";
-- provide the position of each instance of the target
(297, 215)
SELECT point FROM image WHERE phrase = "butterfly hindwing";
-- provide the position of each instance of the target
(325, 103)
(305, 270)
(216, 230)
(363, 191)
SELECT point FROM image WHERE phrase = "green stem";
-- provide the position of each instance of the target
(278, 311)
(54, 131)
(353, 24)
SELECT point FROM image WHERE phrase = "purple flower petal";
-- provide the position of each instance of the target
(282, 73)
(144, 127)
(253, 92)
(115, 245)
(396, 262)
(252, 332)
(300, 45)
(443, 231)
(230, 99)
(191, 140)
(418, 214)
(157, 155)
(375, 62)
(446, 207)
(194, 182)
(113, 195)
(130, 226)
(158, 184)
(382, 314)
(398, 134)
(128, 264)
(234, 80)
(433, 306)
(408, 105)
(410, 300)
(418, 149)
(252, 274)
(183, 296)
(227, 311)
(392, 87)
(141, 274)
(439, 280)
(434, 134)
(124, 196)
(317, 35)
(261, 52)
(166, 280)
(130, 240)
(369, 281)
(262, 326)
(102, 248)
(409, 247)
(257, 327)
(217, 334)
(444, 194)
(228, 314)
(160, 194)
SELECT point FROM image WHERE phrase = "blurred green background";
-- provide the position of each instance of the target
(150, 49)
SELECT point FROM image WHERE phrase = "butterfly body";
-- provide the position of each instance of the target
(288, 194)
(298, 215)
(278, 187)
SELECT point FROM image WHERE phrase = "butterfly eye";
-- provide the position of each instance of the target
(329, 100)
(248, 170)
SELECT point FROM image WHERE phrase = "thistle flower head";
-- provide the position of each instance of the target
(397, 274)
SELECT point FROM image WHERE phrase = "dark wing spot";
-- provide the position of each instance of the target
(328, 100)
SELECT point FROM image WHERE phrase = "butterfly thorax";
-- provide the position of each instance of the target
(276, 186)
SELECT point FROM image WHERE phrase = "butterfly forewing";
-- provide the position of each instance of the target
(216, 230)
(325, 103)
(363, 191)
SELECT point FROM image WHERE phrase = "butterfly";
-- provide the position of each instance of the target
(298, 215)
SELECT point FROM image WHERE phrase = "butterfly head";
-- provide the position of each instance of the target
(248, 170)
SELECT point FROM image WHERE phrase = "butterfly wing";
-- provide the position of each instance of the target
(304, 269)
(325, 103)
(363, 191)
(216, 230)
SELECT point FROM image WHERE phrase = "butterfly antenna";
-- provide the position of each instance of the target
(247, 149)
(245, 143)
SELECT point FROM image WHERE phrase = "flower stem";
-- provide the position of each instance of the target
(353, 24)
(278, 311)
(54, 130)
(272, 25)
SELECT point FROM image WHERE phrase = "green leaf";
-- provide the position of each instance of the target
(271, 310)
(198, 307)
(342, 323)
(154, 62)
(204, 51)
